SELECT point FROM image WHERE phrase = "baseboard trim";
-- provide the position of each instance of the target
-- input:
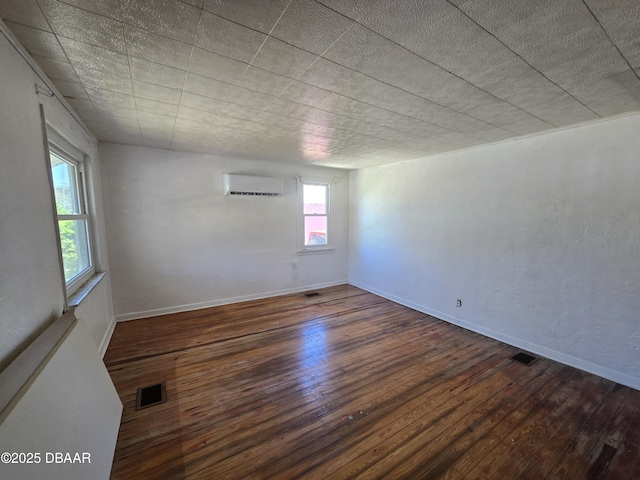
(107, 337)
(560, 357)
(224, 301)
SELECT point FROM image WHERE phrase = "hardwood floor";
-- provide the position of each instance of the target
(349, 385)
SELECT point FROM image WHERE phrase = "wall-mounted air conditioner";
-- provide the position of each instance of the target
(251, 185)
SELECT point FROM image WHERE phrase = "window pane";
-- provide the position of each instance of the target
(65, 185)
(75, 248)
(315, 231)
(314, 199)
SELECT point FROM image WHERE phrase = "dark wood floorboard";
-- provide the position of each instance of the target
(350, 385)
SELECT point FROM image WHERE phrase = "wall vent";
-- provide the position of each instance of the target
(151, 395)
(524, 358)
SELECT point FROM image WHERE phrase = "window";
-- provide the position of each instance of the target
(73, 220)
(315, 212)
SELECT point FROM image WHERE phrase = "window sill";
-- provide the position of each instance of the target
(80, 294)
(314, 251)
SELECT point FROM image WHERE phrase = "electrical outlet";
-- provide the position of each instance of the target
(458, 303)
(294, 266)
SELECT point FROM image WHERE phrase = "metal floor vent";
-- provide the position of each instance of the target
(151, 395)
(524, 358)
(314, 294)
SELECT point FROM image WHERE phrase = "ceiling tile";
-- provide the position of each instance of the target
(401, 21)
(107, 8)
(196, 115)
(239, 111)
(156, 48)
(258, 15)
(170, 18)
(195, 3)
(612, 95)
(524, 87)
(288, 108)
(199, 102)
(151, 72)
(249, 98)
(207, 87)
(229, 39)
(153, 106)
(576, 44)
(166, 122)
(84, 55)
(468, 99)
(92, 78)
(262, 81)
(84, 26)
(159, 93)
(216, 66)
(283, 59)
(230, 124)
(304, 93)
(24, 12)
(38, 42)
(411, 78)
(601, 61)
(71, 89)
(115, 115)
(620, 20)
(310, 26)
(107, 98)
(365, 51)
(353, 9)
(56, 69)
(435, 29)
(330, 76)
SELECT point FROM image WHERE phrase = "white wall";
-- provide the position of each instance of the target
(31, 290)
(539, 237)
(177, 243)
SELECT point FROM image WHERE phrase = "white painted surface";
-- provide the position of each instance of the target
(176, 242)
(31, 291)
(68, 405)
(539, 237)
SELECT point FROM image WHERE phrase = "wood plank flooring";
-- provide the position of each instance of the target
(350, 385)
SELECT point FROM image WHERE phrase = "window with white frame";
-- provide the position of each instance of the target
(67, 173)
(315, 214)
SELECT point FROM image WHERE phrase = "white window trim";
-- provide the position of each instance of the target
(314, 249)
(63, 148)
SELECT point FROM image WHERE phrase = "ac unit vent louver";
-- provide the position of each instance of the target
(252, 185)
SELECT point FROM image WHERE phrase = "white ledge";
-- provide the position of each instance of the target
(313, 251)
(85, 289)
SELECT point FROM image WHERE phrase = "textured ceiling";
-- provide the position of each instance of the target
(345, 83)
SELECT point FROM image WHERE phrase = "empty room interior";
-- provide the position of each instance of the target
(320, 239)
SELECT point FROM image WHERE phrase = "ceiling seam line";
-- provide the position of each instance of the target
(416, 95)
(354, 22)
(193, 46)
(610, 39)
(314, 61)
(68, 60)
(458, 76)
(357, 21)
(268, 35)
(521, 58)
(339, 115)
(135, 102)
(184, 80)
